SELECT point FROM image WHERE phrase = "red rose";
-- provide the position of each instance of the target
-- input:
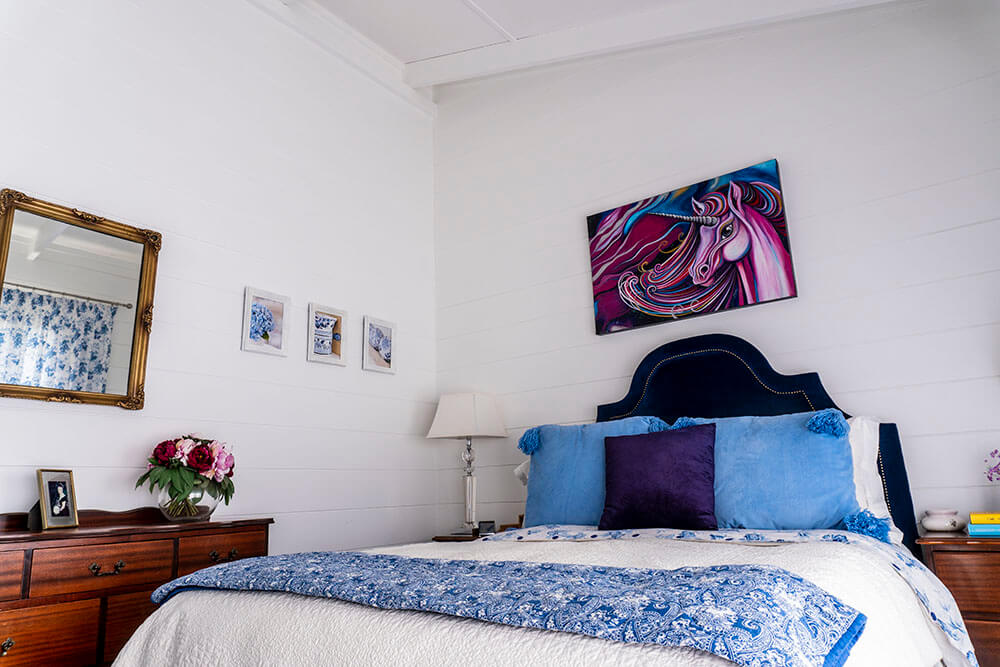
(200, 458)
(165, 451)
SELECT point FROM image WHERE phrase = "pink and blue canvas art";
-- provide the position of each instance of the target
(708, 247)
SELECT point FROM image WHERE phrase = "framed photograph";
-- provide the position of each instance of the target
(325, 343)
(380, 337)
(57, 499)
(265, 322)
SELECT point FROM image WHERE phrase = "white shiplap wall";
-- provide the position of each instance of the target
(265, 161)
(887, 129)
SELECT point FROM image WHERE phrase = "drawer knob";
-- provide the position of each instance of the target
(213, 556)
(95, 569)
(7, 645)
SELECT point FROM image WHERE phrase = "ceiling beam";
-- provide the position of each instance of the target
(328, 32)
(681, 19)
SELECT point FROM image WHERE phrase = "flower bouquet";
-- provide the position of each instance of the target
(261, 322)
(993, 466)
(193, 475)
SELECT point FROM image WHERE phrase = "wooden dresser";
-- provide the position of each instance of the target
(74, 596)
(970, 568)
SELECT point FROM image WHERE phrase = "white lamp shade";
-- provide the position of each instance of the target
(465, 415)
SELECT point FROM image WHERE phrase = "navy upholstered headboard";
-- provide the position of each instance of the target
(717, 375)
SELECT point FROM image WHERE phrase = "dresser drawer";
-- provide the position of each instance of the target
(77, 569)
(985, 637)
(971, 577)
(125, 614)
(11, 568)
(57, 634)
(196, 553)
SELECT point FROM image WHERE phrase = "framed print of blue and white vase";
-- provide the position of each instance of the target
(265, 322)
(379, 340)
(325, 342)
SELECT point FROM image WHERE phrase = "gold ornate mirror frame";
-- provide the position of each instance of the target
(12, 200)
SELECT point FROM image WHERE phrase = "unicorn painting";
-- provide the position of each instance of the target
(713, 246)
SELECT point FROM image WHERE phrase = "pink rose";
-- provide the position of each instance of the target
(224, 461)
(184, 447)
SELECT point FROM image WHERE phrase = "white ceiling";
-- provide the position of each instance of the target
(415, 30)
(410, 45)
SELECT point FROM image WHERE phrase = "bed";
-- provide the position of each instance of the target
(910, 618)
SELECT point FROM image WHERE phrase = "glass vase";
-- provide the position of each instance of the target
(197, 505)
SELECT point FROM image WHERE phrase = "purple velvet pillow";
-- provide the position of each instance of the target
(664, 479)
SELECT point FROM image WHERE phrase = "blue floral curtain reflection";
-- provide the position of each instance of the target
(54, 341)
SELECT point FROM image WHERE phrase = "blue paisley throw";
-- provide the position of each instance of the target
(749, 614)
(933, 595)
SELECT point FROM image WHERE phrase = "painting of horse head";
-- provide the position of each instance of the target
(713, 246)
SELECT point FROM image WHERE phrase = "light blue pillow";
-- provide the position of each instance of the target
(566, 484)
(788, 472)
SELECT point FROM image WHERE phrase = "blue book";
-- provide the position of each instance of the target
(984, 530)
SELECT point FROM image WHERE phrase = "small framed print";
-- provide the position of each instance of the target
(327, 327)
(380, 337)
(265, 322)
(57, 499)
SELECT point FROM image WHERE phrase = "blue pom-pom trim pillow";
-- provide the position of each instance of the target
(786, 472)
(829, 422)
(566, 484)
(866, 523)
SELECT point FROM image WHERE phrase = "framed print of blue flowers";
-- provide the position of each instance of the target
(265, 322)
(326, 329)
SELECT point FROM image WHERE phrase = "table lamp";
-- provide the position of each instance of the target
(468, 416)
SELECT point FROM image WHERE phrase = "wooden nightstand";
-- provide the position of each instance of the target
(970, 568)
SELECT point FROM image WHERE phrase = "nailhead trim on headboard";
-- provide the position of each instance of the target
(881, 476)
(649, 378)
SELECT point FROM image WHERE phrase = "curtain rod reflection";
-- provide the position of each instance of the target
(75, 296)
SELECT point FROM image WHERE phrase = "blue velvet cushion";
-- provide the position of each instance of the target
(566, 484)
(660, 480)
(788, 472)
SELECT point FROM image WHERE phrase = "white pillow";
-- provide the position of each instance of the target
(522, 471)
(867, 482)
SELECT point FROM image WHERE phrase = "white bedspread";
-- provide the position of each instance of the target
(255, 628)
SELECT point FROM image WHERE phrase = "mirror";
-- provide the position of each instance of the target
(76, 304)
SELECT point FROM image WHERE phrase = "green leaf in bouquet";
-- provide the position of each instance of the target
(228, 489)
(183, 481)
(154, 477)
(187, 475)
